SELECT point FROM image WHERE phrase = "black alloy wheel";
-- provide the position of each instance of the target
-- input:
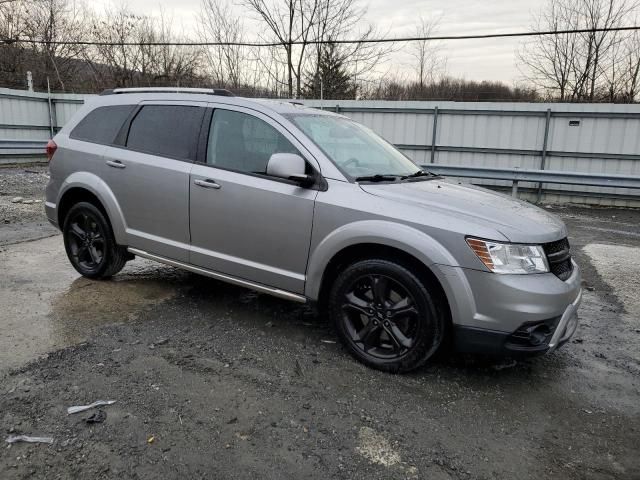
(385, 315)
(380, 316)
(86, 240)
(89, 242)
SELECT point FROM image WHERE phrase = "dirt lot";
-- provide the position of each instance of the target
(213, 381)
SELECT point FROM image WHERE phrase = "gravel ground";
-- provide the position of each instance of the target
(23, 219)
(214, 381)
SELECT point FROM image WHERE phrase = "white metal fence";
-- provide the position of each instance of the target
(586, 138)
(27, 119)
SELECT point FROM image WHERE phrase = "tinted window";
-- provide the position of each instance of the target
(239, 141)
(167, 130)
(102, 124)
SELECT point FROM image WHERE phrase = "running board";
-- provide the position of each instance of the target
(220, 276)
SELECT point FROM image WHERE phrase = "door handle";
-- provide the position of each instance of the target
(208, 183)
(116, 164)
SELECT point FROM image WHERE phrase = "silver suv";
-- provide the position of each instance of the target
(312, 207)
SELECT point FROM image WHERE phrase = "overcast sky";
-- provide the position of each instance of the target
(473, 60)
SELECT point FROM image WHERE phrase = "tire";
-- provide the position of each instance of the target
(90, 244)
(386, 316)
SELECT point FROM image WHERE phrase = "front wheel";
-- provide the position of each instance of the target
(90, 244)
(385, 315)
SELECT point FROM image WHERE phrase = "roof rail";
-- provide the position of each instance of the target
(206, 91)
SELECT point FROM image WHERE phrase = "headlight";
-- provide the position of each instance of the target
(510, 258)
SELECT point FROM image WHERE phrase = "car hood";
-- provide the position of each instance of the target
(516, 220)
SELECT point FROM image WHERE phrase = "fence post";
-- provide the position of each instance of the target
(543, 161)
(434, 133)
(51, 126)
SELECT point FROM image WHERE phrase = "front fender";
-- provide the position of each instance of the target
(381, 232)
(410, 240)
(97, 186)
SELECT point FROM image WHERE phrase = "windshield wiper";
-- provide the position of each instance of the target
(377, 178)
(419, 173)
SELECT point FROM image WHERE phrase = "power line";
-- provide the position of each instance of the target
(10, 41)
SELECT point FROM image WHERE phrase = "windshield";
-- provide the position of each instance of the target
(355, 149)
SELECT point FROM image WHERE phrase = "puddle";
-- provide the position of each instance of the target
(45, 304)
(87, 304)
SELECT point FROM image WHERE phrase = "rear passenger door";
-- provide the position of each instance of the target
(149, 174)
(244, 223)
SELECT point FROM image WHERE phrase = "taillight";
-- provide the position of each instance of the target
(51, 149)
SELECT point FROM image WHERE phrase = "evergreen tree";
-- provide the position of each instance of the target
(330, 76)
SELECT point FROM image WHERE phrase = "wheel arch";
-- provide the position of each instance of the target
(364, 251)
(83, 186)
(377, 239)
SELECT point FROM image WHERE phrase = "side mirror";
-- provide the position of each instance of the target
(289, 166)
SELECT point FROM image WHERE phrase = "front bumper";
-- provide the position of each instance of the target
(516, 315)
(526, 340)
(567, 326)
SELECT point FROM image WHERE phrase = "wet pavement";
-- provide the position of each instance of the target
(214, 381)
(46, 305)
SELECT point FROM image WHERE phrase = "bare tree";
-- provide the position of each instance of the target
(119, 29)
(291, 23)
(340, 19)
(55, 24)
(12, 57)
(631, 68)
(12, 16)
(602, 14)
(138, 50)
(218, 22)
(427, 53)
(577, 66)
(173, 63)
(551, 61)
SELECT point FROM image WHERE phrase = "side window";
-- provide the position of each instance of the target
(102, 124)
(166, 130)
(242, 142)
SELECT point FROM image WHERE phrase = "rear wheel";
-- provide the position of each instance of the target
(90, 244)
(385, 315)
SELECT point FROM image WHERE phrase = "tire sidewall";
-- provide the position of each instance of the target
(108, 239)
(430, 326)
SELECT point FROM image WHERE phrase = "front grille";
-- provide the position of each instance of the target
(559, 257)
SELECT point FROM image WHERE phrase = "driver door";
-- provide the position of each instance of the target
(244, 223)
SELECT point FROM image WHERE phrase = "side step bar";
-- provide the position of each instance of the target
(220, 276)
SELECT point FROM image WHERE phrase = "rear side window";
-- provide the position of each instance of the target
(102, 124)
(166, 130)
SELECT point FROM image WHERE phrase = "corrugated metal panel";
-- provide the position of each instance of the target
(25, 116)
(64, 112)
(595, 135)
(521, 133)
(21, 112)
(596, 130)
(18, 107)
(518, 128)
(23, 134)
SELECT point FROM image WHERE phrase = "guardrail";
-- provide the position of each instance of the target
(516, 175)
(38, 145)
(31, 148)
(22, 151)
